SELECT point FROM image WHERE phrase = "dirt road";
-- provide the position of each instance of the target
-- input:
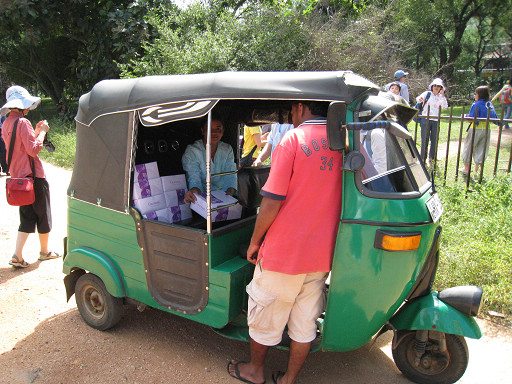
(44, 340)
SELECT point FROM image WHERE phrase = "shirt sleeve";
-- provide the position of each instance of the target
(271, 136)
(472, 110)
(255, 130)
(28, 138)
(192, 167)
(379, 157)
(405, 92)
(444, 102)
(281, 171)
(424, 94)
(230, 181)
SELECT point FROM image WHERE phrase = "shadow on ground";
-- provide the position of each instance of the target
(155, 347)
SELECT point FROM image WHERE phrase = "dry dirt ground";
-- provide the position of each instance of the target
(44, 340)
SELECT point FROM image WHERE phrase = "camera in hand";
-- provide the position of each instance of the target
(48, 145)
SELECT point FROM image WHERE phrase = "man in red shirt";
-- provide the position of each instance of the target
(292, 244)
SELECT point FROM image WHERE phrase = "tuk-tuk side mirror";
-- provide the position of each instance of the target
(354, 161)
(336, 134)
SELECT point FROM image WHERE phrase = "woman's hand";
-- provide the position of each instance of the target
(190, 195)
(43, 126)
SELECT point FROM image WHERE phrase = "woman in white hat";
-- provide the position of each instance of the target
(432, 101)
(27, 144)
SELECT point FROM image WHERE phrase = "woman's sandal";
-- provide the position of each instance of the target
(48, 256)
(16, 263)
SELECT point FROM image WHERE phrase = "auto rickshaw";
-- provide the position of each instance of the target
(387, 247)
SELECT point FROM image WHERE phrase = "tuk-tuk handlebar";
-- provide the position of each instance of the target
(369, 125)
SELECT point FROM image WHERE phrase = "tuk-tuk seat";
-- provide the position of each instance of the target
(250, 182)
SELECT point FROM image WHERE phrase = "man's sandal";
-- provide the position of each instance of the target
(16, 263)
(48, 256)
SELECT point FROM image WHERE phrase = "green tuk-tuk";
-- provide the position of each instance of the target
(387, 246)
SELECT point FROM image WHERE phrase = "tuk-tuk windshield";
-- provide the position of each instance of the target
(391, 163)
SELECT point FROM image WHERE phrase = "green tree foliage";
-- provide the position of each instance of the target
(208, 39)
(438, 28)
(64, 47)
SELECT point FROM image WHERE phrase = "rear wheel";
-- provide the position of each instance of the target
(97, 307)
(431, 365)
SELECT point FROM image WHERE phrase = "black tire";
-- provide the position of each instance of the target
(98, 308)
(435, 368)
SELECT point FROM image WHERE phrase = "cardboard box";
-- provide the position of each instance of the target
(174, 182)
(175, 198)
(162, 215)
(150, 204)
(146, 171)
(219, 198)
(143, 188)
(170, 215)
(179, 213)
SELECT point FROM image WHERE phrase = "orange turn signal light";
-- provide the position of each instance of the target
(397, 240)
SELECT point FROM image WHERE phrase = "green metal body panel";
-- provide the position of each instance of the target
(92, 260)
(430, 313)
(367, 284)
(104, 242)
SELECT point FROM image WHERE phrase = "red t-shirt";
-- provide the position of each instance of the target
(306, 176)
(26, 145)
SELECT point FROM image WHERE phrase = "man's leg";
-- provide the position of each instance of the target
(255, 369)
(298, 354)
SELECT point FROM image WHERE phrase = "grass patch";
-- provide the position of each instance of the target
(477, 241)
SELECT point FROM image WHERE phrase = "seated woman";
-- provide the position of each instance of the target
(223, 160)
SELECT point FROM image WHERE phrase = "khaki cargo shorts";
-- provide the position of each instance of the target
(277, 299)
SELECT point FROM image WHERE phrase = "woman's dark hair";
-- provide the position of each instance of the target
(482, 92)
(395, 83)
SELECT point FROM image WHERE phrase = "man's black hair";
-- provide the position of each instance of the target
(317, 108)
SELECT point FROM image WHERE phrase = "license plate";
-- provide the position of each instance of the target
(435, 207)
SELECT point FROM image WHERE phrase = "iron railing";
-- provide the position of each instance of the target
(454, 121)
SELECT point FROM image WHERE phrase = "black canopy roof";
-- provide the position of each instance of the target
(111, 96)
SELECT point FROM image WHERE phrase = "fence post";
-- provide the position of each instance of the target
(460, 143)
(436, 143)
(509, 159)
(416, 130)
(471, 148)
(486, 142)
(498, 144)
(447, 144)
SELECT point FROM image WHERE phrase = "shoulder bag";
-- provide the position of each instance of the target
(19, 190)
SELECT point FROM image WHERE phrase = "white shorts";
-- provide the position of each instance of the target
(277, 299)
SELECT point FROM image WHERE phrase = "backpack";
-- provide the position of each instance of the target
(506, 95)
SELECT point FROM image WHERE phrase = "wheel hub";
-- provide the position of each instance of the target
(94, 302)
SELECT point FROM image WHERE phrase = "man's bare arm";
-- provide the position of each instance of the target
(268, 212)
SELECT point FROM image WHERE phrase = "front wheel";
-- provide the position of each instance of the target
(98, 308)
(432, 362)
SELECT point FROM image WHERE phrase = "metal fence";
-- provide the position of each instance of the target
(457, 130)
